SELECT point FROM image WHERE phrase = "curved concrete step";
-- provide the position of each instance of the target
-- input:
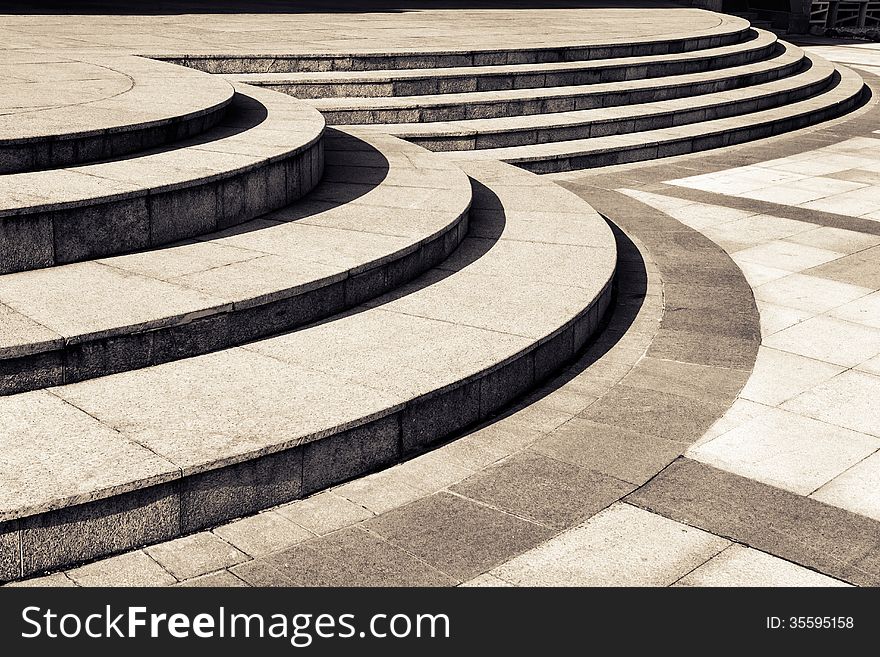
(74, 110)
(414, 82)
(729, 29)
(167, 450)
(265, 154)
(845, 94)
(363, 231)
(561, 126)
(520, 102)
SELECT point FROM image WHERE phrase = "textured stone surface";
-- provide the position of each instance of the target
(195, 555)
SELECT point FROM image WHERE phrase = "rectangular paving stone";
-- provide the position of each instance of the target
(739, 565)
(544, 490)
(807, 532)
(856, 490)
(848, 400)
(262, 533)
(624, 455)
(779, 375)
(622, 546)
(457, 536)
(324, 512)
(55, 580)
(828, 339)
(129, 569)
(349, 557)
(220, 579)
(786, 450)
(654, 413)
(194, 555)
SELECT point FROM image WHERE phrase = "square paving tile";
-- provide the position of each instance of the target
(836, 239)
(810, 293)
(782, 254)
(457, 536)
(780, 375)
(544, 490)
(856, 490)
(848, 400)
(828, 339)
(622, 546)
(786, 450)
(864, 310)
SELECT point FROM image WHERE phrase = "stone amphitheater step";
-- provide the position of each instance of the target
(385, 211)
(72, 110)
(518, 102)
(167, 450)
(729, 29)
(846, 92)
(413, 82)
(561, 126)
(264, 154)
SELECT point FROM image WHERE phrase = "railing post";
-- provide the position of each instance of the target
(831, 18)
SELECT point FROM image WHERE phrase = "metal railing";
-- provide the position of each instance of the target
(845, 13)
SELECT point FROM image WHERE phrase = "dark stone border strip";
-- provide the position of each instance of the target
(806, 215)
(797, 528)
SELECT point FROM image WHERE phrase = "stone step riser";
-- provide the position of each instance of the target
(463, 110)
(622, 125)
(55, 153)
(465, 82)
(322, 63)
(94, 220)
(693, 144)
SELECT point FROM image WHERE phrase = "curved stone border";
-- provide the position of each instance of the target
(663, 114)
(165, 104)
(846, 94)
(267, 152)
(731, 29)
(416, 81)
(524, 102)
(433, 358)
(325, 254)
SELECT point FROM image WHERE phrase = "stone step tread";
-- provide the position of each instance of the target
(849, 86)
(760, 40)
(820, 72)
(158, 93)
(726, 27)
(788, 56)
(289, 126)
(358, 218)
(522, 280)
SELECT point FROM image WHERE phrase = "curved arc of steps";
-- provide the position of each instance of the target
(266, 153)
(414, 82)
(317, 257)
(170, 449)
(523, 102)
(731, 29)
(165, 104)
(552, 157)
(562, 126)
